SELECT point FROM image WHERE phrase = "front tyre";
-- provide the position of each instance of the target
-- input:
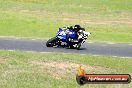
(51, 42)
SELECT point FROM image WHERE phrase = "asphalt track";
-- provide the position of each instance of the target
(123, 50)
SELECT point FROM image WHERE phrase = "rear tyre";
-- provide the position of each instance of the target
(51, 42)
(78, 46)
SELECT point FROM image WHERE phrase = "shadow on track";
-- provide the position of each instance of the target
(60, 47)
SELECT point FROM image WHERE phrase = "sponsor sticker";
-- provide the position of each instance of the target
(82, 78)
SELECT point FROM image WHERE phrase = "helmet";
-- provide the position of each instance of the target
(77, 27)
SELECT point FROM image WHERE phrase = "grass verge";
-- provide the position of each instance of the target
(56, 70)
(109, 21)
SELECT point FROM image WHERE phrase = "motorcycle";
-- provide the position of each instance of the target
(71, 40)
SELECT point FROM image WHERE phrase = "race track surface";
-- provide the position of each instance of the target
(123, 50)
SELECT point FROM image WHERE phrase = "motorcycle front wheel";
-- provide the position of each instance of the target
(51, 42)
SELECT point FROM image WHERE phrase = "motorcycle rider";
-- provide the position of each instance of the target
(75, 28)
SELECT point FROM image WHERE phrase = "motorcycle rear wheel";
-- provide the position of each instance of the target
(79, 44)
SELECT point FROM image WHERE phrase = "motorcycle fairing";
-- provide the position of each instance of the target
(61, 34)
(72, 34)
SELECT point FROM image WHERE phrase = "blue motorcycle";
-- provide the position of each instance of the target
(68, 38)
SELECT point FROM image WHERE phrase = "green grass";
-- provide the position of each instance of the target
(56, 70)
(109, 21)
(25, 25)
